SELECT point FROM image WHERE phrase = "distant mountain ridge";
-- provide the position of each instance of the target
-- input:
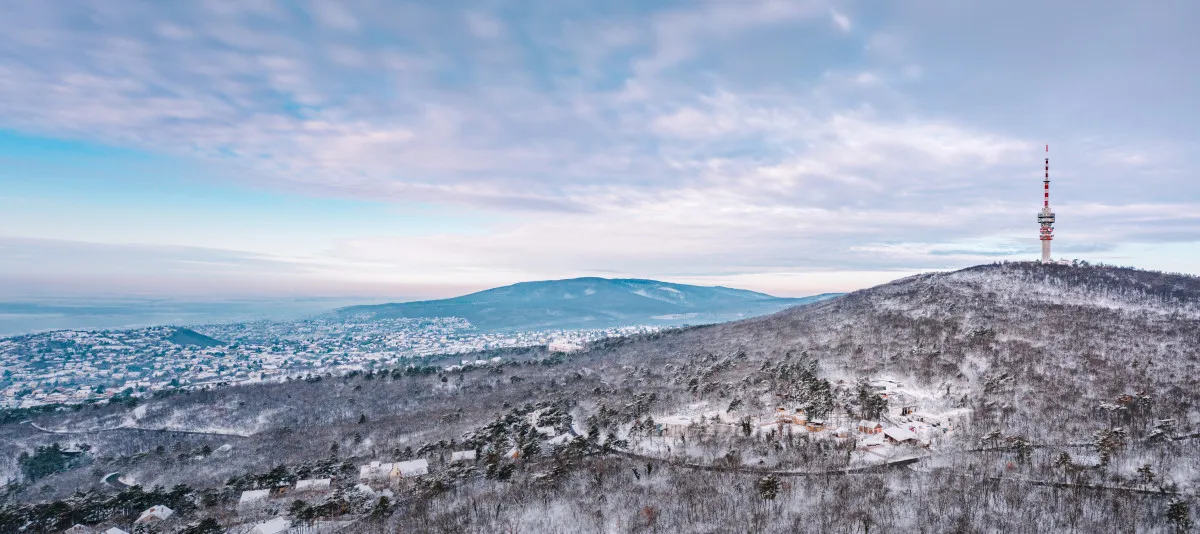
(590, 303)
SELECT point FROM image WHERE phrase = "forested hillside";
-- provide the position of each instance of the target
(1072, 391)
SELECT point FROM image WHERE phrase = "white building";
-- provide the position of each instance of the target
(900, 435)
(462, 456)
(313, 484)
(253, 496)
(412, 468)
(374, 471)
(154, 514)
(380, 471)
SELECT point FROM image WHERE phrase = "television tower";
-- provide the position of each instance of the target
(1046, 217)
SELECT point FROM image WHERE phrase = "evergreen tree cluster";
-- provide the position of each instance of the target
(48, 460)
(797, 383)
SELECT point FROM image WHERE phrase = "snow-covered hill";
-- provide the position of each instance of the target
(1068, 339)
(1072, 390)
(589, 303)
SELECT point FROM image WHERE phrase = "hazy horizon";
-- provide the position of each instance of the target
(38, 313)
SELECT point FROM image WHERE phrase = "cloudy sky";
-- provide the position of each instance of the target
(428, 148)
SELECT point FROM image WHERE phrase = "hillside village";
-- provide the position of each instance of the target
(905, 422)
(279, 502)
(67, 367)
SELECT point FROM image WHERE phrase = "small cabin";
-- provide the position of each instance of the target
(814, 425)
(791, 417)
(928, 418)
(897, 435)
(462, 456)
(154, 514)
(869, 427)
(410, 469)
(673, 425)
(250, 497)
(313, 484)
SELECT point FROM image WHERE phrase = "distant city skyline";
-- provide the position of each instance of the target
(431, 149)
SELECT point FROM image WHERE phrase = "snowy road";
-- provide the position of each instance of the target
(139, 429)
(899, 462)
(114, 480)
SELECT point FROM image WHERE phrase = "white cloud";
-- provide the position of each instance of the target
(840, 20)
(866, 78)
(334, 15)
(484, 26)
(627, 143)
(678, 36)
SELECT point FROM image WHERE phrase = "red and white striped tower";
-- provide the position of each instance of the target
(1046, 217)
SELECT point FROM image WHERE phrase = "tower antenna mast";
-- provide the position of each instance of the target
(1046, 217)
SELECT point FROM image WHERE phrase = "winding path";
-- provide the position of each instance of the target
(139, 429)
(114, 480)
(899, 462)
(909, 462)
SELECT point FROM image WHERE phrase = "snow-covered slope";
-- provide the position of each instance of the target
(1065, 339)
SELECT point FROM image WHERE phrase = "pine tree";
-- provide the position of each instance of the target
(382, 509)
(768, 487)
(1146, 473)
(1063, 460)
(1180, 515)
(1109, 442)
(870, 404)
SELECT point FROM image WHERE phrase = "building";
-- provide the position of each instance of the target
(154, 514)
(673, 425)
(374, 471)
(250, 497)
(80, 529)
(462, 456)
(897, 435)
(869, 427)
(928, 418)
(871, 442)
(313, 484)
(115, 530)
(794, 417)
(814, 425)
(409, 469)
